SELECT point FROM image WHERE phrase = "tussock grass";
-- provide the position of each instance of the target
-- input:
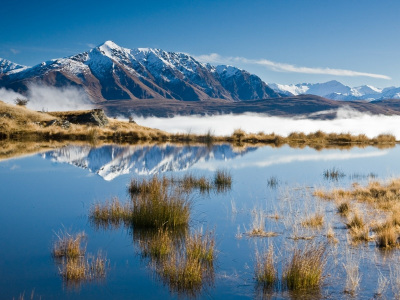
(190, 182)
(68, 245)
(112, 214)
(188, 268)
(386, 236)
(315, 220)
(158, 246)
(305, 268)
(265, 269)
(343, 208)
(160, 206)
(355, 221)
(222, 179)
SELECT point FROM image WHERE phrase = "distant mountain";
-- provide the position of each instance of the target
(110, 162)
(9, 67)
(110, 72)
(337, 91)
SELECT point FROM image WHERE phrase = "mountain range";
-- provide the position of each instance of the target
(118, 79)
(110, 72)
(337, 91)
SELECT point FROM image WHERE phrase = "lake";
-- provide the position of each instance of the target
(46, 192)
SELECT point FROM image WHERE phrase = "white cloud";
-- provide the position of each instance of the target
(346, 121)
(50, 98)
(91, 45)
(15, 51)
(282, 67)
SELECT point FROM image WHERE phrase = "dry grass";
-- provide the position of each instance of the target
(158, 246)
(186, 269)
(257, 226)
(315, 220)
(160, 205)
(112, 214)
(386, 236)
(189, 182)
(343, 208)
(222, 180)
(265, 267)
(68, 245)
(353, 276)
(305, 268)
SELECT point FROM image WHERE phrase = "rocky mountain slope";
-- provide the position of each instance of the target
(337, 91)
(110, 72)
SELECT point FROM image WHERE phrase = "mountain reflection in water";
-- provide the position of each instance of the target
(111, 161)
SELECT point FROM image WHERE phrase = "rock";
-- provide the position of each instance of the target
(94, 117)
(63, 123)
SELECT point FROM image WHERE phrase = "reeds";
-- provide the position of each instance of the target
(305, 268)
(257, 226)
(353, 276)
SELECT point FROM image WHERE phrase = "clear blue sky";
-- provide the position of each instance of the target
(360, 36)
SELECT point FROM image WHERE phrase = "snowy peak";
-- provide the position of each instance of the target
(111, 72)
(8, 66)
(337, 91)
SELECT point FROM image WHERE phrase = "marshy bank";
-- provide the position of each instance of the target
(21, 123)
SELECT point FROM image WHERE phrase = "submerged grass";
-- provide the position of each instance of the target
(68, 245)
(112, 214)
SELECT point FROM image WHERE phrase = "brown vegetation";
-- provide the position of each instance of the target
(21, 122)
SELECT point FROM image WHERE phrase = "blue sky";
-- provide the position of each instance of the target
(282, 41)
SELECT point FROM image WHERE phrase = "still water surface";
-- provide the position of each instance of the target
(46, 192)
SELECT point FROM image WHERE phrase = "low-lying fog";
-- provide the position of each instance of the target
(347, 121)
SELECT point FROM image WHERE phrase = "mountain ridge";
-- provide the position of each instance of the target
(111, 72)
(335, 90)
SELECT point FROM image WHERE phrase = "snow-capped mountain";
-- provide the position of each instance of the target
(9, 67)
(337, 91)
(111, 72)
(112, 161)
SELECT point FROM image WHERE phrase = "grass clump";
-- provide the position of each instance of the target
(110, 214)
(305, 268)
(189, 267)
(68, 245)
(265, 270)
(158, 246)
(315, 220)
(343, 208)
(160, 205)
(257, 228)
(386, 236)
(222, 179)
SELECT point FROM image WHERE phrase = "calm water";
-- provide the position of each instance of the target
(46, 192)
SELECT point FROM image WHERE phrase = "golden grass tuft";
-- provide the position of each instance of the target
(315, 220)
(265, 267)
(305, 268)
(158, 246)
(222, 179)
(112, 214)
(68, 245)
(343, 208)
(160, 205)
(188, 268)
(386, 236)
